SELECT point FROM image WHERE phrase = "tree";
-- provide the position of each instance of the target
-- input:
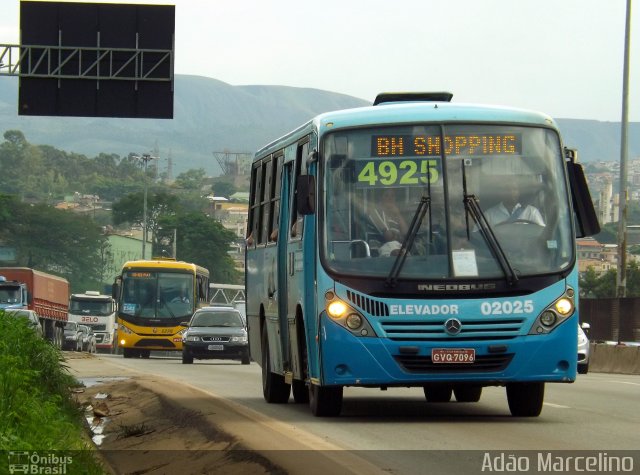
(608, 234)
(605, 286)
(589, 283)
(204, 241)
(130, 209)
(223, 188)
(191, 179)
(56, 241)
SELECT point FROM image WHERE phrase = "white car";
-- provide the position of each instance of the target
(31, 316)
(583, 349)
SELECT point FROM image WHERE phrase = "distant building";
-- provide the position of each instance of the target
(123, 249)
(601, 257)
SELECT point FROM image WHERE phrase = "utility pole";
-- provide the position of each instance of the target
(621, 281)
(145, 158)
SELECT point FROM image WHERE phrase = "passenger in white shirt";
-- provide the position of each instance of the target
(511, 210)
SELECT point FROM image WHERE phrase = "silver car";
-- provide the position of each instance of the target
(215, 333)
(583, 349)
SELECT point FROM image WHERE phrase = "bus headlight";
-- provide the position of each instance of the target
(347, 317)
(354, 321)
(548, 318)
(554, 314)
(564, 306)
(337, 309)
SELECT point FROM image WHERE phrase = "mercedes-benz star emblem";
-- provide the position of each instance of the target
(453, 326)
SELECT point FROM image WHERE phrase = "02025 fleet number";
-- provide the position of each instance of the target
(508, 307)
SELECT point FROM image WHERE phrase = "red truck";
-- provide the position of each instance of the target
(48, 295)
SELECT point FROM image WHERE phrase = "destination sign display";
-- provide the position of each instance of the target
(460, 145)
(140, 275)
(397, 172)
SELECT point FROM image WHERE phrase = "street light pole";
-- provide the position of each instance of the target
(145, 158)
(621, 280)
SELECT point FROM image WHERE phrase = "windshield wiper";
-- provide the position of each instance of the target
(472, 207)
(407, 243)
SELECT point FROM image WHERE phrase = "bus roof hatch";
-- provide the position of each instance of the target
(385, 97)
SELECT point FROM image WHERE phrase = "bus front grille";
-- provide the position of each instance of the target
(482, 364)
(368, 305)
(434, 330)
(148, 342)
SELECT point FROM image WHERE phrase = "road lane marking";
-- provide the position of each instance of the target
(623, 382)
(560, 406)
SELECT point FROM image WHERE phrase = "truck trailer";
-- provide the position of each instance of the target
(46, 294)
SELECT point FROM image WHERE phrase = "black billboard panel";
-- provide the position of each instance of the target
(94, 59)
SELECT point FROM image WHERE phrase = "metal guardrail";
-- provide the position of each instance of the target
(95, 63)
(226, 293)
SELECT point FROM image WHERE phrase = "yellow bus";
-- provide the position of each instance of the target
(155, 297)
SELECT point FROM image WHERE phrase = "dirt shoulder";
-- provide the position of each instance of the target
(146, 424)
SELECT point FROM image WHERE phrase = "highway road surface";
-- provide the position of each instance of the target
(597, 417)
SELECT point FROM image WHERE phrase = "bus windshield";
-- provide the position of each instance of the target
(374, 180)
(156, 296)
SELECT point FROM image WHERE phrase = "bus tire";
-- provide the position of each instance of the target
(274, 388)
(525, 399)
(299, 387)
(129, 353)
(467, 393)
(325, 401)
(300, 392)
(440, 393)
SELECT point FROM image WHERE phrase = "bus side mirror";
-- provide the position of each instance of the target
(587, 220)
(306, 194)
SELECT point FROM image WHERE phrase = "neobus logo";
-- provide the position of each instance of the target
(455, 287)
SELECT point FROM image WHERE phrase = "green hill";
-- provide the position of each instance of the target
(210, 115)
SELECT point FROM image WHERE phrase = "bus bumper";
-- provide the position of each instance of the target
(349, 360)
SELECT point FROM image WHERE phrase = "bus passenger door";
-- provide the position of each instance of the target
(291, 264)
(284, 252)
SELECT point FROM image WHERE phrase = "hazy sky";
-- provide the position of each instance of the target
(562, 57)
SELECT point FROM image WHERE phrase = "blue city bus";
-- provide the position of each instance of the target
(377, 256)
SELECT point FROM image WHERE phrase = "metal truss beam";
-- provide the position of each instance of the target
(94, 63)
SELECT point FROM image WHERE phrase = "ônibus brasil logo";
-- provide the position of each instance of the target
(38, 462)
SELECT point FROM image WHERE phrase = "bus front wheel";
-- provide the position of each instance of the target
(274, 388)
(525, 399)
(325, 401)
(438, 393)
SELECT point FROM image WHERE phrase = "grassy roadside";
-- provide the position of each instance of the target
(37, 414)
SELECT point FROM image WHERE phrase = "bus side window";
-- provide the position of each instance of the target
(254, 207)
(300, 169)
(275, 197)
(265, 197)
